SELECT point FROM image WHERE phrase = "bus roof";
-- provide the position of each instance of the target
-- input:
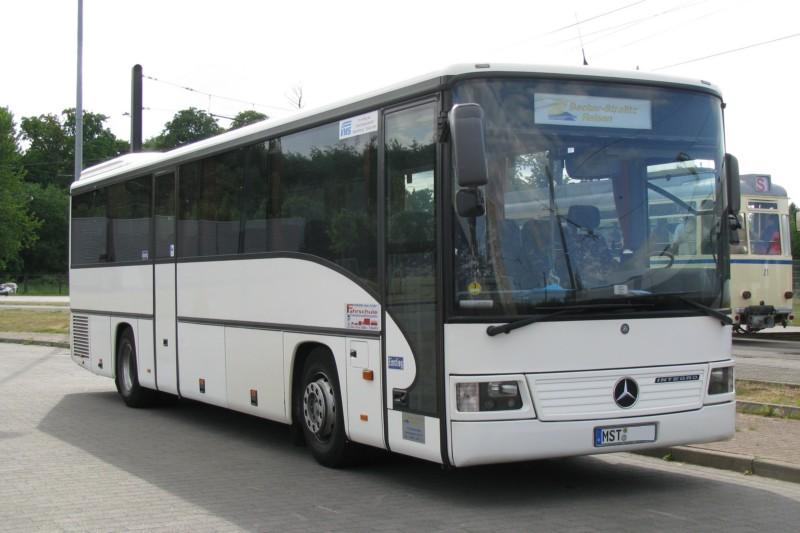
(130, 165)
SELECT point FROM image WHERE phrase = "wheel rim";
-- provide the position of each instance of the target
(319, 407)
(127, 378)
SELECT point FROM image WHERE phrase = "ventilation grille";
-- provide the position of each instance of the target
(80, 336)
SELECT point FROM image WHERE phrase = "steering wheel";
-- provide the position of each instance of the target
(665, 253)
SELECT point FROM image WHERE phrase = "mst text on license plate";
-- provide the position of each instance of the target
(616, 435)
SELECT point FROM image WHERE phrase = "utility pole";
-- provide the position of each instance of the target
(79, 98)
(136, 109)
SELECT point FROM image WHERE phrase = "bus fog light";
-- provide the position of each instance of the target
(721, 380)
(746, 295)
(467, 400)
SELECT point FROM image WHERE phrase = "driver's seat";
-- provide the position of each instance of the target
(589, 253)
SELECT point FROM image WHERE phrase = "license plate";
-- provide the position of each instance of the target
(618, 435)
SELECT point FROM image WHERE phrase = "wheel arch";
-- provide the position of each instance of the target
(299, 357)
(119, 329)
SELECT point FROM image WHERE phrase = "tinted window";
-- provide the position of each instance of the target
(89, 228)
(164, 217)
(209, 218)
(411, 242)
(129, 214)
(322, 198)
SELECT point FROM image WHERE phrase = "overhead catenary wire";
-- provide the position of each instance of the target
(684, 24)
(218, 96)
(572, 25)
(725, 52)
(612, 30)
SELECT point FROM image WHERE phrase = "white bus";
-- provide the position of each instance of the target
(761, 261)
(421, 269)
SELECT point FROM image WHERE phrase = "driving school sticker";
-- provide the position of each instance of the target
(363, 316)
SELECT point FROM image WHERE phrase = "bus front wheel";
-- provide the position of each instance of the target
(127, 378)
(320, 409)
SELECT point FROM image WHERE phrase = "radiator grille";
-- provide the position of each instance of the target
(80, 336)
(589, 395)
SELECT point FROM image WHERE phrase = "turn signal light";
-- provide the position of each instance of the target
(788, 295)
(746, 295)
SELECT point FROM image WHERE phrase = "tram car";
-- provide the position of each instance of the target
(761, 263)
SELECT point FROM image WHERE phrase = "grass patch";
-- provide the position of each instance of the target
(774, 393)
(34, 321)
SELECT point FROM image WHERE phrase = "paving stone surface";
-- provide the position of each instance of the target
(74, 458)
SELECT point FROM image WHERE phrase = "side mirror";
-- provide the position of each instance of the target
(469, 203)
(469, 148)
(733, 186)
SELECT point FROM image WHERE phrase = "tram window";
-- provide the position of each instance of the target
(757, 204)
(765, 236)
(741, 237)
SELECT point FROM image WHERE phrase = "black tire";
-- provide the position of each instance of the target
(127, 378)
(319, 412)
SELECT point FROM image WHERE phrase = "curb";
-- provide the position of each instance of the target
(744, 464)
(55, 344)
(768, 409)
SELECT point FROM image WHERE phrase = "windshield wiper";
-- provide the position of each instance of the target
(558, 311)
(724, 319)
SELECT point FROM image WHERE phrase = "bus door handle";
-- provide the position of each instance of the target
(399, 398)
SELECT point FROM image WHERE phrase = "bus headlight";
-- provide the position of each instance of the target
(721, 380)
(488, 396)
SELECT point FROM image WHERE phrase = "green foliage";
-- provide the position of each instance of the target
(187, 126)
(247, 117)
(49, 205)
(17, 227)
(50, 157)
(795, 238)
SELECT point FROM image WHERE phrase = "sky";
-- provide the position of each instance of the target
(252, 54)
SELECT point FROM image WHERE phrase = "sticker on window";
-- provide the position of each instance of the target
(359, 125)
(592, 111)
(363, 316)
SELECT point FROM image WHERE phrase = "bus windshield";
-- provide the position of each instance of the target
(597, 193)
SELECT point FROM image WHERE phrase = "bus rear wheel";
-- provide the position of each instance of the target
(127, 377)
(320, 411)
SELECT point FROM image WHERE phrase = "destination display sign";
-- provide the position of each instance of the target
(592, 111)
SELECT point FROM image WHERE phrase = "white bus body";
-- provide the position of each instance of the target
(315, 271)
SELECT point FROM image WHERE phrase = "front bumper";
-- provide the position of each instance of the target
(484, 442)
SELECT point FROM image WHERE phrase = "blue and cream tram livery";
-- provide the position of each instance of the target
(761, 262)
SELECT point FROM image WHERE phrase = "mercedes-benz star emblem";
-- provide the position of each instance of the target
(626, 392)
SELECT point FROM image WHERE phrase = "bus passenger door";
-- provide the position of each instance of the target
(164, 284)
(411, 329)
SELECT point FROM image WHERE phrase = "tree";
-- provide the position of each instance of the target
(247, 117)
(296, 96)
(17, 227)
(187, 126)
(49, 204)
(794, 237)
(50, 158)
